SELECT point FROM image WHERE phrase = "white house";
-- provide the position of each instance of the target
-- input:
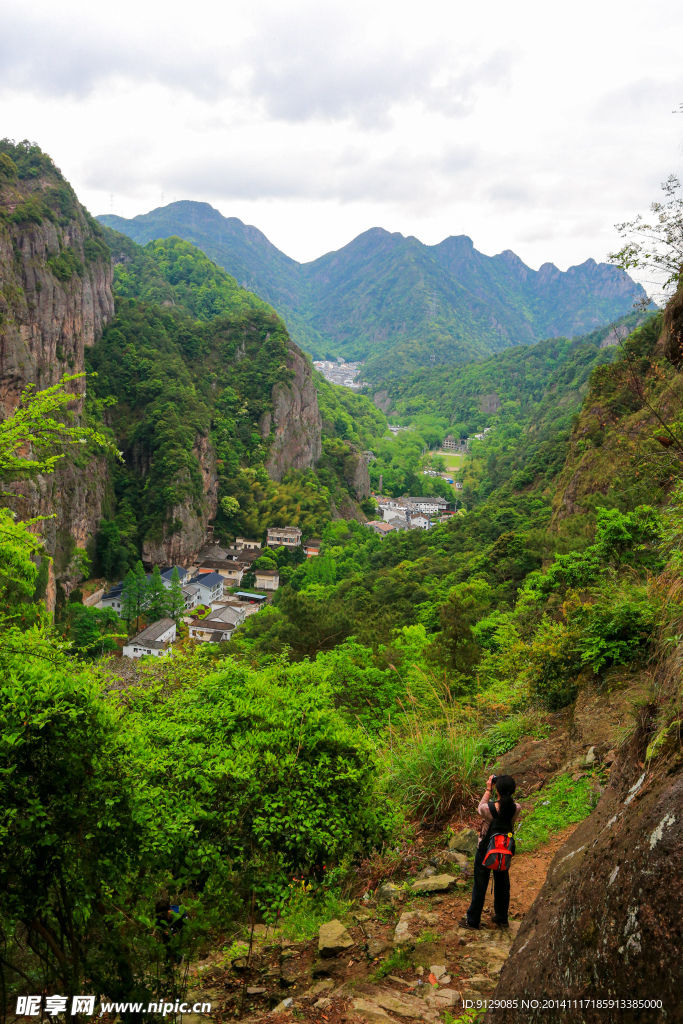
(243, 543)
(213, 631)
(182, 573)
(155, 639)
(394, 512)
(430, 506)
(210, 586)
(267, 579)
(420, 522)
(191, 595)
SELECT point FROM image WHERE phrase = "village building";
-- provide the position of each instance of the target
(247, 555)
(380, 528)
(213, 631)
(420, 523)
(398, 523)
(243, 544)
(210, 586)
(219, 625)
(430, 506)
(190, 596)
(231, 572)
(312, 547)
(155, 640)
(395, 512)
(183, 575)
(287, 536)
(267, 579)
(114, 596)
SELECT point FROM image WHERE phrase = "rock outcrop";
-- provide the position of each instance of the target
(55, 298)
(182, 545)
(608, 918)
(356, 475)
(295, 423)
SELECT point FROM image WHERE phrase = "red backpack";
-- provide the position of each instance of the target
(500, 851)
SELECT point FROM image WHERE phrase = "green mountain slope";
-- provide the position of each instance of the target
(393, 301)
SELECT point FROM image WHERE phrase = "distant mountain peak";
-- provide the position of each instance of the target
(393, 301)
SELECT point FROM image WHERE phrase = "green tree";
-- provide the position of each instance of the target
(129, 599)
(141, 591)
(69, 837)
(158, 597)
(176, 599)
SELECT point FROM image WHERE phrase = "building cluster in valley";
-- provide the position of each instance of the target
(214, 604)
(409, 513)
(339, 372)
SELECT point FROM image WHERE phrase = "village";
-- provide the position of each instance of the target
(218, 593)
(208, 595)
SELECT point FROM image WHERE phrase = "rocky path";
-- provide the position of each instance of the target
(398, 957)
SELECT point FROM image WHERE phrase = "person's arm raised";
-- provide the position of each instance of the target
(483, 808)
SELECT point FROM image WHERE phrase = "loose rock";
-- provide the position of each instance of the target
(411, 923)
(438, 883)
(466, 841)
(333, 939)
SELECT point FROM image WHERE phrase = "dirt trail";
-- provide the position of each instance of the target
(350, 987)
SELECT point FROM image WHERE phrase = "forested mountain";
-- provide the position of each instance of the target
(395, 302)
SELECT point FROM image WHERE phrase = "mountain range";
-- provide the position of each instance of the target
(394, 302)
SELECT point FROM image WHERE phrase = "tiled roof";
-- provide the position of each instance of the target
(152, 632)
(209, 579)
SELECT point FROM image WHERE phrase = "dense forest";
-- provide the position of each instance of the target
(279, 776)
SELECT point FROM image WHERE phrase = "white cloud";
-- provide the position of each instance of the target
(527, 127)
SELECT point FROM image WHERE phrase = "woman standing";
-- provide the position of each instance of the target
(501, 816)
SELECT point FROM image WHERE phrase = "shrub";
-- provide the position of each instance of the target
(433, 771)
(616, 633)
(553, 665)
(250, 768)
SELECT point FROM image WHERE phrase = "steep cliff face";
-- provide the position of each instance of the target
(55, 297)
(189, 519)
(295, 425)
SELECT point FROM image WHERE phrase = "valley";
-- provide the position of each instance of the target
(276, 812)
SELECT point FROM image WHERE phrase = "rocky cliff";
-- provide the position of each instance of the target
(295, 425)
(608, 918)
(55, 297)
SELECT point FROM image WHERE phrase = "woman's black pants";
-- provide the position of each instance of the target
(501, 893)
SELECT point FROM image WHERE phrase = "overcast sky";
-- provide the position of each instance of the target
(529, 126)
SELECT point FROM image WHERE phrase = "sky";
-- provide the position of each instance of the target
(528, 126)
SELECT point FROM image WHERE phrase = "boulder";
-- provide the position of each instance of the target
(368, 1009)
(480, 983)
(437, 883)
(322, 1004)
(333, 939)
(465, 841)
